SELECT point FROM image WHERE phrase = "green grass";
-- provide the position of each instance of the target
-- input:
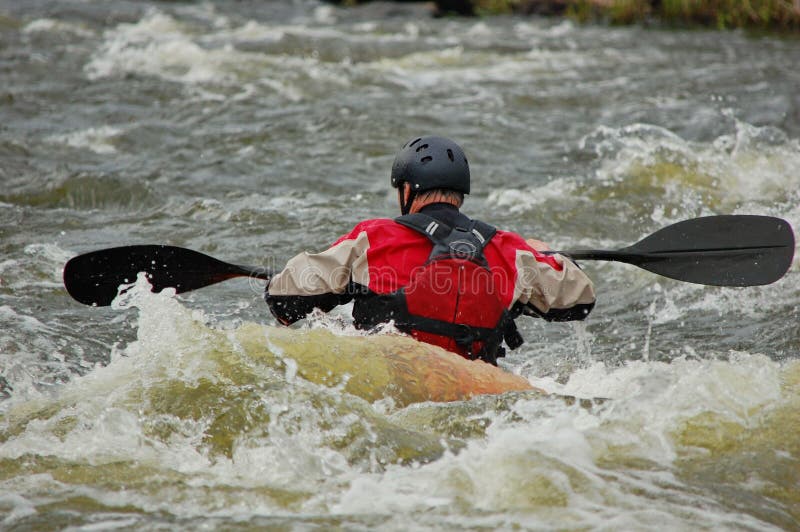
(764, 14)
(779, 15)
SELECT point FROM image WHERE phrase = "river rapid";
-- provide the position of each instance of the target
(253, 130)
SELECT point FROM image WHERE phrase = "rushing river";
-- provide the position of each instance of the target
(252, 130)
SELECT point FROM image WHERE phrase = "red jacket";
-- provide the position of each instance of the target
(376, 262)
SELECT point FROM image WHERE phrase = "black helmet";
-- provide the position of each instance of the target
(431, 162)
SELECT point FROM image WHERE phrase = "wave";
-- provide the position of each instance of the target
(84, 191)
(248, 420)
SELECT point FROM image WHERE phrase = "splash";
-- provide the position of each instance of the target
(750, 169)
(664, 429)
(216, 58)
(251, 420)
(663, 177)
(191, 410)
(161, 46)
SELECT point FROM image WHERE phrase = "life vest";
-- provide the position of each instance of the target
(450, 300)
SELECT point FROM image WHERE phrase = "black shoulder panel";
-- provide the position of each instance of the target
(451, 242)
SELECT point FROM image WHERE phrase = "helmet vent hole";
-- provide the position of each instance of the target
(450, 155)
(423, 147)
(426, 159)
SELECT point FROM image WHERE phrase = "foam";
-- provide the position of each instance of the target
(48, 25)
(161, 46)
(454, 66)
(558, 456)
(517, 201)
(97, 139)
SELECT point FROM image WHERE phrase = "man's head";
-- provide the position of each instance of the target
(430, 165)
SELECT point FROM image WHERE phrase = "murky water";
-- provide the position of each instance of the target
(254, 130)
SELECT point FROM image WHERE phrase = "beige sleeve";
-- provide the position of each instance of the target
(546, 288)
(310, 274)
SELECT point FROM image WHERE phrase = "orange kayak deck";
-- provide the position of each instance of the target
(377, 366)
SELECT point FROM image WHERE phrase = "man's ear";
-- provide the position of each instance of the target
(402, 192)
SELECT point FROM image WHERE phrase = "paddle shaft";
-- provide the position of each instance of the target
(727, 250)
(628, 257)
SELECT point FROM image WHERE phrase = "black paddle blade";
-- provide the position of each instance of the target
(94, 278)
(727, 250)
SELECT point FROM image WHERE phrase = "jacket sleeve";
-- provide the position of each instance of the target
(552, 286)
(316, 280)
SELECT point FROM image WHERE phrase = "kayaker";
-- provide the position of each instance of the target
(438, 275)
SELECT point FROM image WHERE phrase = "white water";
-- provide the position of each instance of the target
(541, 462)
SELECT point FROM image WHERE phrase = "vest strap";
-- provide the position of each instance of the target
(451, 242)
(464, 335)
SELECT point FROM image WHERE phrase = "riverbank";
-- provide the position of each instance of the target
(772, 15)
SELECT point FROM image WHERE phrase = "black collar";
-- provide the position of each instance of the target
(447, 213)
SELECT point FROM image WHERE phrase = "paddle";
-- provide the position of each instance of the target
(94, 278)
(726, 250)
